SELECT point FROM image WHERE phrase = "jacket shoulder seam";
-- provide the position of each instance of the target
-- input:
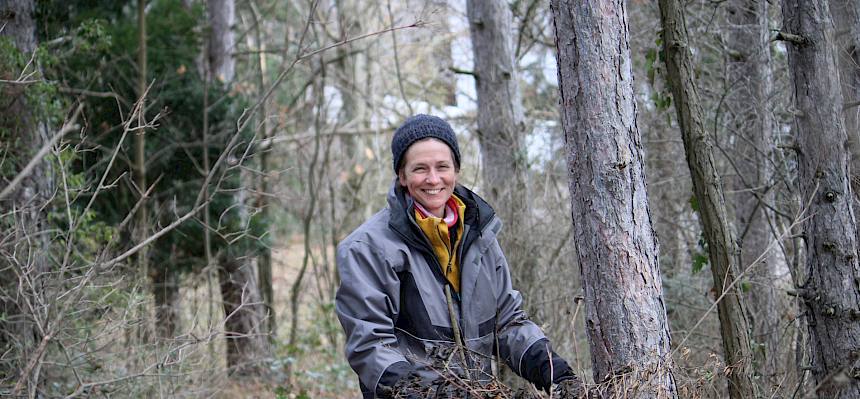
(376, 250)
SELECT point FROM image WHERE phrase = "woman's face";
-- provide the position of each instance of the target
(429, 174)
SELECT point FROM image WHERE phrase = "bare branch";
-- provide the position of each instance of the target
(67, 127)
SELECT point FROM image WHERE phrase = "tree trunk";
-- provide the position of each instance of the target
(244, 312)
(750, 124)
(24, 233)
(723, 250)
(222, 14)
(445, 78)
(614, 236)
(264, 258)
(501, 125)
(161, 276)
(846, 19)
(19, 24)
(830, 292)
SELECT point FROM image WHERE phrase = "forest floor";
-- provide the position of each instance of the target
(315, 367)
(319, 367)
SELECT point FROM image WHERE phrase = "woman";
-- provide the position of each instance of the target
(426, 289)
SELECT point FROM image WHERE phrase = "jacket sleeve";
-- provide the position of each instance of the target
(522, 344)
(367, 303)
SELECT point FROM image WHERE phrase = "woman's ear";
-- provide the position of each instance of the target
(401, 178)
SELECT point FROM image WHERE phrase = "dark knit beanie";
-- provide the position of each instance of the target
(420, 127)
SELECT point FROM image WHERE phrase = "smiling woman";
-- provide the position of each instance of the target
(425, 279)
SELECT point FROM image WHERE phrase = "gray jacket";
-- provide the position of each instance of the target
(391, 301)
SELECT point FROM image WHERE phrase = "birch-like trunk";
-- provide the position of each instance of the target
(723, 251)
(830, 292)
(625, 313)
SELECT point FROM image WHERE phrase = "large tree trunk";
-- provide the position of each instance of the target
(614, 236)
(24, 233)
(723, 250)
(830, 292)
(501, 125)
(751, 128)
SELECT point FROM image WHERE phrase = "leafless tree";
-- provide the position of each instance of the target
(830, 292)
(725, 261)
(501, 129)
(616, 244)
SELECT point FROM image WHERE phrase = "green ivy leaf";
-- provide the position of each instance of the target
(699, 262)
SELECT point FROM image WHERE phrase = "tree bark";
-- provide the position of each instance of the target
(750, 125)
(24, 230)
(724, 254)
(222, 14)
(501, 127)
(625, 313)
(19, 24)
(830, 292)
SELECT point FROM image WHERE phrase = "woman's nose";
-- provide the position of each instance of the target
(432, 177)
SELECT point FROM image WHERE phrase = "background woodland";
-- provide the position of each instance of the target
(175, 176)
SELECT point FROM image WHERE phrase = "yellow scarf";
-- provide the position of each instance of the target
(436, 230)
